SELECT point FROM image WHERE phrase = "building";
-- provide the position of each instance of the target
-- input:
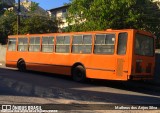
(157, 1)
(26, 6)
(59, 13)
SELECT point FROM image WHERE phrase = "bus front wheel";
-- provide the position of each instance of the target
(21, 65)
(79, 74)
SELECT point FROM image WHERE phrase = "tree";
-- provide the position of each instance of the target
(86, 15)
(30, 23)
(37, 24)
(7, 20)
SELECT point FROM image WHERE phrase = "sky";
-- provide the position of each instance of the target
(49, 4)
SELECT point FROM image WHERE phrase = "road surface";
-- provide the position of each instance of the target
(44, 88)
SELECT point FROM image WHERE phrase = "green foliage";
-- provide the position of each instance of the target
(37, 24)
(1, 8)
(87, 15)
(6, 25)
(33, 6)
(30, 23)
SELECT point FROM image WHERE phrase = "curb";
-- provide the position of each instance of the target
(2, 64)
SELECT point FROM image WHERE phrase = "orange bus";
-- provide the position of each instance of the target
(110, 54)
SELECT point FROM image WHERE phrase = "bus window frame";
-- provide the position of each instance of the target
(115, 45)
(15, 44)
(40, 44)
(149, 36)
(63, 43)
(22, 44)
(118, 43)
(82, 44)
(53, 44)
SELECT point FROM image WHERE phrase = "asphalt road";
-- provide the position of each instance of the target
(44, 88)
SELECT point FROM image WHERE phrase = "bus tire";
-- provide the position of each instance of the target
(21, 65)
(79, 74)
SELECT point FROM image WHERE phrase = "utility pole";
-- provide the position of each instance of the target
(18, 17)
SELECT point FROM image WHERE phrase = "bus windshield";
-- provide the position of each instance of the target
(144, 45)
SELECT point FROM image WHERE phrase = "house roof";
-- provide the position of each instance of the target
(58, 8)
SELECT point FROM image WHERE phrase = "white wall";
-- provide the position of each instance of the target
(2, 53)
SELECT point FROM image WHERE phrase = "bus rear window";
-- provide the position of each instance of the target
(144, 45)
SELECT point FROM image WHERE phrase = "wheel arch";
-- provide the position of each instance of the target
(20, 59)
(75, 65)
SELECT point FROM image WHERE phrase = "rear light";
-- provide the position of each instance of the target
(138, 67)
(149, 68)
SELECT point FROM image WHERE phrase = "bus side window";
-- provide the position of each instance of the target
(82, 44)
(62, 44)
(22, 44)
(47, 44)
(104, 44)
(77, 43)
(34, 44)
(12, 44)
(87, 44)
(122, 43)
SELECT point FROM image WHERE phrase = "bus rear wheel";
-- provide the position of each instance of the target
(21, 65)
(79, 74)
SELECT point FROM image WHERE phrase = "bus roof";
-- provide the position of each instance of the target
(107, 30)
